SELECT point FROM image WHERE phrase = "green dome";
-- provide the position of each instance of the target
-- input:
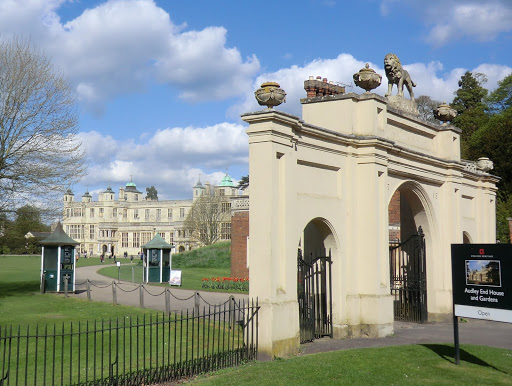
(131, 183)
(227, 181)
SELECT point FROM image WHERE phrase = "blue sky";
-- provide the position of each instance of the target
(161, 84)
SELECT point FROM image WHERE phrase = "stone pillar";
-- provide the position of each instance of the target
(272, 251)
(369, 303)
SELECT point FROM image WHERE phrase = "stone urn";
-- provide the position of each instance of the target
(444, 113)
(270, 94)
(367, 78)
(484, 164)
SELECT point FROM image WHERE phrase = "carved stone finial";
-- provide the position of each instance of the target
(367, 78)
(397, 75)
(270, 94)
(484, 164)
(444, 113)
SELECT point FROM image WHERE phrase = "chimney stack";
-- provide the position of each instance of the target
(321, 87)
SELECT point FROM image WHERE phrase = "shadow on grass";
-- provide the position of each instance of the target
(18, 288)
(448, 353)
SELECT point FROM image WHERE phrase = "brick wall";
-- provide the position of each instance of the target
(510, 228)
(394, 217)
(239, 234)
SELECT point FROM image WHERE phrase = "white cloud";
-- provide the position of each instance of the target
(122, 46)
(482, 21)
(429, 78)
(292, 80)
(172, 159)
(452, 20)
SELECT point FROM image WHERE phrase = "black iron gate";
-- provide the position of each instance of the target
(314, 287)
(407, 261)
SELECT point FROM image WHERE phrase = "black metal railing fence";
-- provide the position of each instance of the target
(131, 351)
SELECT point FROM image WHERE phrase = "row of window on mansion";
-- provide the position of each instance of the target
(136, 239)
(135, 213)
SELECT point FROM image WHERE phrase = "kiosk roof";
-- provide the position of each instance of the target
(157, 243)
(59, 237)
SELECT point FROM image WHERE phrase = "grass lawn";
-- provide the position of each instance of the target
(22, 304)
(428, 364)
(191, 277)
(207, 262)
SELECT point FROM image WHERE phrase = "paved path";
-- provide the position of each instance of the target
(129, 293)
(472, 332)
(480, 332)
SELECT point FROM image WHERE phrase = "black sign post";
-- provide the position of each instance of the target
(479, 288)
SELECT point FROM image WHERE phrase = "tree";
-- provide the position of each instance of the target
(494, 140)
(40, 154)
(470, 107)
(204, 219)
(27, 219)
(151, 193)
(426, 106)
(501, 98)
(244, 182)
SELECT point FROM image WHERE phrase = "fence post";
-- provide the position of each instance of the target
(133, 274)
(232, 312)
(141, 296)
(167, 301)
(43, 278)
(114, 293)
(196, 303)
(88, 289)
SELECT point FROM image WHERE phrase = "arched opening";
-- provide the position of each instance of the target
(104, 249)
(466, 239)
(409, 231)
(314, 280)
(181, 248)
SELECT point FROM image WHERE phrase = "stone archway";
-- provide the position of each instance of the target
(318, 238)
(314, 280)
(409, 211)
(342, 161)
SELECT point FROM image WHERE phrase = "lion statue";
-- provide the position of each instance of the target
(397, 75)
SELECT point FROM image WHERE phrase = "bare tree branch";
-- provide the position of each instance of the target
(204, 219)
(40, 153)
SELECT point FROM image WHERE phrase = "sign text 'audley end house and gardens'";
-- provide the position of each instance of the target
(481, 285)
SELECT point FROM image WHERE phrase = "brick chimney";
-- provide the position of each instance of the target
(321, 87)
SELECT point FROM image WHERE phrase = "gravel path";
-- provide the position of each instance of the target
(154, 298)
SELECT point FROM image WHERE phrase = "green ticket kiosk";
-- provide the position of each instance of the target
(157, 260)
(58, 261)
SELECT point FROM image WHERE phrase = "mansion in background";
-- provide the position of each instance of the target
(113, 226)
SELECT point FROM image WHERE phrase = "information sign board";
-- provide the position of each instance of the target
(175, 278)
(482, 281)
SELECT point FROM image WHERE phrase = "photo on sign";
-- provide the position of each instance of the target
(483, 272)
